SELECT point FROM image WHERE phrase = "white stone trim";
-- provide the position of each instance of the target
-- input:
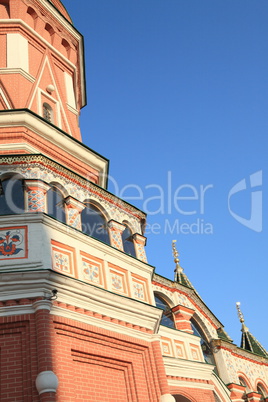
(42, 305)
(17, 51)
(188, 368)
(81, 295)
(69, 87)
(20, 71)
(51, 134)
(190, 384)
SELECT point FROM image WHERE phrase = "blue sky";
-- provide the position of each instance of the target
(177, 100)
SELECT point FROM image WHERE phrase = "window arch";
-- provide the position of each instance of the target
(48, 112)
(247, 390)
(181, 398)
(55, 204)
(127, 241)
(262, 391)
(167, 317)
(206, 349)
(94, 223)
(12, 196)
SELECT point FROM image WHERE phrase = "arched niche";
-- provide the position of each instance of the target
(167, 318)
(55, 203)
(11, 194)
(127, 240)
(94, 222)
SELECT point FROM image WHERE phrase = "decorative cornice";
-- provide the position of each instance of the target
(80, 301)
(43, 162)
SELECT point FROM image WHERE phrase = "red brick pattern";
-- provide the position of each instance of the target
(18, 359)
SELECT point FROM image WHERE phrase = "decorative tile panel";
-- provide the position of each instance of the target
(166, 345)
(118, 279)
(63, 258)
(36, 201)
(180, 350)
(13, 242)
(195, 351)
(92, 270)
(140, 288)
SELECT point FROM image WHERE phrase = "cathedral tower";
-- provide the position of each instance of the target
(83, 316)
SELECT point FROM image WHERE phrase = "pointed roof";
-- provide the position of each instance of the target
(60, 7)
(248, 341)
(180, 276)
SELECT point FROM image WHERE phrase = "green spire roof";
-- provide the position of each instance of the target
(179, 276)
(248, 341)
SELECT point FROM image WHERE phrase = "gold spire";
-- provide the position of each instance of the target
(241, 317)
(178, 269)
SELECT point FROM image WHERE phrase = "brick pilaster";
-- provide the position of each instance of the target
(46, 379)
(237, 392)
(182, 316)
(253, 397)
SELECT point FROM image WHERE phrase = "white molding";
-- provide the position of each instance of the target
(20, 71)
(188, 368)
(190, 384)
(20, 146)
(57, 138)
(58, 103)
(5, 98)
(33, 32)
(32, 284)
(74, 111)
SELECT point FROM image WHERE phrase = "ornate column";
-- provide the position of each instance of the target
(115, 230)
(46, 381)
(36, 195)
(140, 242)
(74, 209)
(182, 316)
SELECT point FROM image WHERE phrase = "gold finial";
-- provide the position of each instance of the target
(178, 269)
(241, 317)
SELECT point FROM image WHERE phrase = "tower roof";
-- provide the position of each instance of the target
(60, 7)
(179, 276)
(248, 341)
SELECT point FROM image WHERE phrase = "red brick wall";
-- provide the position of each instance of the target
(95, 364)
(18, 365)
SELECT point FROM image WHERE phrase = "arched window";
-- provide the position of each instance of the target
(11, 196)
(55, 204)
(94, 223)
(261, 390)
(127, 241)
(207, 352)
(247, 390)
(167, 318)
(48, 112)
(181, 398)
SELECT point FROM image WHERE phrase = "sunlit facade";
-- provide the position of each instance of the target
(84, 316)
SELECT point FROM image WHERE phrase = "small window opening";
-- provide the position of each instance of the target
(47, 112)
(127, 240)
(167, 317)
